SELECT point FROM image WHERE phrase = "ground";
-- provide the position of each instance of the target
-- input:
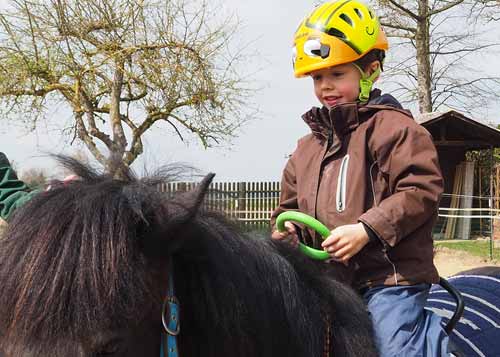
(451, 261)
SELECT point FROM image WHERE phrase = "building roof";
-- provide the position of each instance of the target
(452, 128)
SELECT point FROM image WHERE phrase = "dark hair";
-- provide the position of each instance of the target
(373, 55)
(79, 243)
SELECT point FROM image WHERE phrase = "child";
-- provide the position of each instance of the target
(370, 173)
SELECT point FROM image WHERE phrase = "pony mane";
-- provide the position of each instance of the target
(245, 295)
(71, 250)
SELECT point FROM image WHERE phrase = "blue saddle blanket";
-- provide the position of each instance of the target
(478, 331)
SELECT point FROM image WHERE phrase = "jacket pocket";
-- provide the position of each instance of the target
(340, 200)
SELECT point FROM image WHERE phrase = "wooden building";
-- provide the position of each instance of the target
(454, 134)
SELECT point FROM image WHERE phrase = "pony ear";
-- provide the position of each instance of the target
(201, 190)
(191, 201)
(180, 211)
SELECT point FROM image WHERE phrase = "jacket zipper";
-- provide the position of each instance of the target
(372, 184)
(342, 185)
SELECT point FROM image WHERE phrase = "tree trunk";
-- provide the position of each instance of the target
(422, 43)
(119, 139)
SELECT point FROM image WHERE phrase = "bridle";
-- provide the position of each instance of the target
(171, 322)
(170, 319)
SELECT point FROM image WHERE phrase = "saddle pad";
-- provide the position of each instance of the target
(478, 331)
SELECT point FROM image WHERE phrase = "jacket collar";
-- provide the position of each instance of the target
(346, 117)
(340, 119)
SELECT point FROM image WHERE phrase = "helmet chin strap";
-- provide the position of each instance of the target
(366, 83)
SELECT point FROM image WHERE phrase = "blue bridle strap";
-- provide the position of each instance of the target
(170, 319)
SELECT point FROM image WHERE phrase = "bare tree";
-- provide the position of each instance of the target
(438, 48)
(122, 66)
(487, 9)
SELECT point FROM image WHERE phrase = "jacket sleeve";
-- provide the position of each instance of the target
(407, 158)
(13, 192)
(288, 195)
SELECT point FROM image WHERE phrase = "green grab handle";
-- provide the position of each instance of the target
(311, 223)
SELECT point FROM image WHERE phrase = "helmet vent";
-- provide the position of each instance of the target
(346, 18)
(337, 33)
(359, 13)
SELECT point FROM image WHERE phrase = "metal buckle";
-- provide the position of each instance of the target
(170, 300)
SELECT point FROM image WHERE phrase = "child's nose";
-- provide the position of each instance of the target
(326, 84)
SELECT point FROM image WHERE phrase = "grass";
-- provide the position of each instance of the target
(480, 248)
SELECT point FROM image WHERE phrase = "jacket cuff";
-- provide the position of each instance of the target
(381, 226)
(372, 237)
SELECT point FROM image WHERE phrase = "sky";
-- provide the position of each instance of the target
(259, 152)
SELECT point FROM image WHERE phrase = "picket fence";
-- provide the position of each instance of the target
(250, 203)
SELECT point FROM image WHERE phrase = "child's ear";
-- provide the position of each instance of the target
(372, 67)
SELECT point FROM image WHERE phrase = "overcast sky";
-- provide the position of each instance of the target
(260, 150)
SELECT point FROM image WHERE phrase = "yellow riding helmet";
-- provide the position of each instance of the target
(336, 32)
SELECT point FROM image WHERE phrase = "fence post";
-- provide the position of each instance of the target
(491, 204)
(242, 207)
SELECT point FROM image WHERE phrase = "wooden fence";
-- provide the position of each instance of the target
(250, 203)
(495, 182)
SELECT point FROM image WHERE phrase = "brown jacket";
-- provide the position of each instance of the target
(380, 168)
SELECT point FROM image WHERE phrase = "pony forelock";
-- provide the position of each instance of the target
(74, 249)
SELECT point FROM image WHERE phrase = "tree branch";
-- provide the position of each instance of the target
(405, 10)
(398, 26)
(445, 7)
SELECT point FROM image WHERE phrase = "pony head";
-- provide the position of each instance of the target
(80, 264)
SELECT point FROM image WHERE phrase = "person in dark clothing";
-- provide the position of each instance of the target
(13, 192)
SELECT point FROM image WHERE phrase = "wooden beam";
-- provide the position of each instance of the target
(463, 143)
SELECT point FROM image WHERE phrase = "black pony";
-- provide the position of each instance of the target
(84, 270)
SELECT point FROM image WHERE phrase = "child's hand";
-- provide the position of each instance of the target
(345, 241)
(289, 236)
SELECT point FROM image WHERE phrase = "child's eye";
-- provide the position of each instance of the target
(316, 77)
(337, 74)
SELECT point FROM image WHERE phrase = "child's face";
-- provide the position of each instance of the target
(337, 84)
